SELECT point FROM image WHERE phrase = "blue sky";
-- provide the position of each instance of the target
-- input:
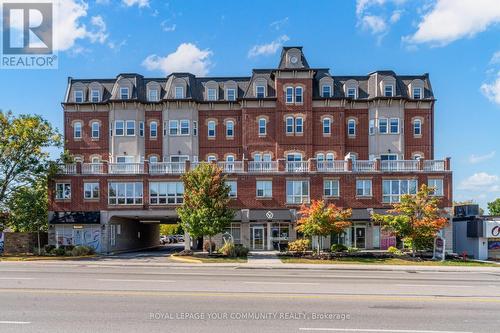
(456, 41)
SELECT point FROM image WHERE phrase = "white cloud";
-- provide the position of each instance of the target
(492, 90)
(495, 59)
(187, 58)
(166, 27)
(481, 181)
(373, 16)
(449, 20)
(362, 5)
(375, 24)
(268, 49)
(99, 35)
(481, 158)
(277, 25)
(139, 3)
(396, 16)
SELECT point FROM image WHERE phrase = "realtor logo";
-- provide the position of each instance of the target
(27, 35)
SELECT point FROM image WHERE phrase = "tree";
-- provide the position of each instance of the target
(23, 151)
(171, 229)
(494, 207)
(416, 218)
(320, 219)
(205, 211)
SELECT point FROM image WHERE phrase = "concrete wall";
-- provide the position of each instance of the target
(129, 235)
(381, 143)
(23, 242)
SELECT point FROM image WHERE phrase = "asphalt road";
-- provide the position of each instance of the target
(103, 297)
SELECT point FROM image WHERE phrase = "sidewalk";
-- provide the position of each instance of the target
(264, 258)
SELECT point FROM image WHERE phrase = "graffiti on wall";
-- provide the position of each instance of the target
(87, 235)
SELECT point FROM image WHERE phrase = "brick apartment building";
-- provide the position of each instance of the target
(284, 136)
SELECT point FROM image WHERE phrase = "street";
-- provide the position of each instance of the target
(109, 296)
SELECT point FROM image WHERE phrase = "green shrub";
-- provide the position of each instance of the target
(241, 251)
(352, 249)
(392, 249)
(49, 248)
(299, 245)
(338, 248)
(82, 251)
(228, 249)
(59, 251)
(206, 246)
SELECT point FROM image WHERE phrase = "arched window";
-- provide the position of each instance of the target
(351, 127)
(153, 129)
(211, 129)
(330, 157)
(230, 128)
(211, 158)
(327, 126)
(289, 124)
(77, 130)
(95, 130)
(298, 95)
(289, 95)
(417, 127)
(320, 157)
(230, 158)
(299, 125)
(262, 126)
(153, 159)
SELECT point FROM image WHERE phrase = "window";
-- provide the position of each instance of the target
(364, 187)
(262, 126)
(95, 96)
(294, 157)
(63, 191)
(351, 127)
(211, 158)
(230, 128)
(235, 231)
(95, 129)
(392, 190)
(153, 159)
(77, 130)
(233, 184)
(212, 94)
(184, 127)
(125, 159)
(394, 125)
(124, 93)
(130, 127)
(179, 158)
(417, 127)
(297, 191)
(119, 128)
(173, 127)
(383, 125)
(330, 157)
(161, 193)
(153, 95)
(388, 157)
(153, 129)
(298, 95)
(231, 94)
(331, 188)
(351, 92)
(417, 93)
(320, 157)
(179, 92)
(327, 126)
(289, 125)
(195, 128)
(437, 187)
(417, 156)
(78, 96)
(371, 127)
(289, 95)
(388, 90)
(141, 128)
(125, 193)
(299, 125)
(264, 188)
(91, 190)
(326, 91)
(211, 129)
(260, 91)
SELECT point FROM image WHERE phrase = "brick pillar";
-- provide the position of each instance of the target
(78, 168)
(421, 164)
(188, 165)
(349, 164)
(281, 165)
(377, 164)
(447, 164)
(312, 165)
(146, 167)
(105, 168)
(245, 165)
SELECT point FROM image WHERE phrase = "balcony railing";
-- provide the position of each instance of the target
(93, 168)
(363, 166)
(231, 167)
(67, 169)
(126, 168)
(331, 166)
(400, 166)
(262, 166)
(297, 166)
(430, 165)
(167, 168)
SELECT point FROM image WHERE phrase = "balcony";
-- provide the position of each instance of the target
(263, 166)
(297, 166)
(400, 166)
(364, 166)
(434, 166)
(332, 166)
(66, 169)
(126, 168)
(93, 168)
(166, 168)
(231, 167)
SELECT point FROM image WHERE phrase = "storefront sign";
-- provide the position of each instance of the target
(387, 239)
(439, 246)
(492, 229)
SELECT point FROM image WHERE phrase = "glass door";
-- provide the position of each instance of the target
(258, 238)
(360, 237)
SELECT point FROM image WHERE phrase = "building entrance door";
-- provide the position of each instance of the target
(360, 237)
(258, 238)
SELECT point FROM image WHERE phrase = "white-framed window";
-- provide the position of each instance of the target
(130, 127)
(326, 91)
(371, 127)
(264, 188)
(393, 189)
(417, 156)
(77, 130)
(289, 124)
(153, 159)
(294, 157)
(299, 98)
(351, 127)
(195, 128)
(231, 94)
(124, 93)
(388, 157)
(211, 158)
(417, 93)
(63, 191)
(78, 96)
(141, 128)
(388, 90)
(125, 159)
(297, 191)
(417, 127)
(95, 96)
(331, 188)
(212, 94)
(153, 129)
(235, 231)
(166, 193)
(394, 125)
(233, 184)
(436, 185)
(153, 95)
(91, 191)
(320, 157)
(327, 126)
(260, 91)
(119, 128)
(364, 187)
(352, 92)
(330, 157)
(95, 130)
(383, 125)
(289, 95)
(179, 92)
(125, 193)
(299, 125)
(184, 127)
(173, 127)
(211, 129)
(230, 128)
(179, 158)
(262, 126)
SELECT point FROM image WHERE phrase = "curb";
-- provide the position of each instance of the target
(35, 258)
(186, 260)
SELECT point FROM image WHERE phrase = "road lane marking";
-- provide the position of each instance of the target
(433, 285)
(6, 322)
(374, 330)
(16, 278)
(273, 283)
(134, 280)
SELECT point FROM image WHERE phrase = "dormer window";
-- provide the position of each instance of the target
(326, 91)
(298, 95)
(260, 91)
(289, 95)
(231, 94)
(95, 96)
(79, 96)
(212, 94)
(124, 93)
(153, 95)
(179, 92)
(417, 93)
(351, 92)
(388, 90)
